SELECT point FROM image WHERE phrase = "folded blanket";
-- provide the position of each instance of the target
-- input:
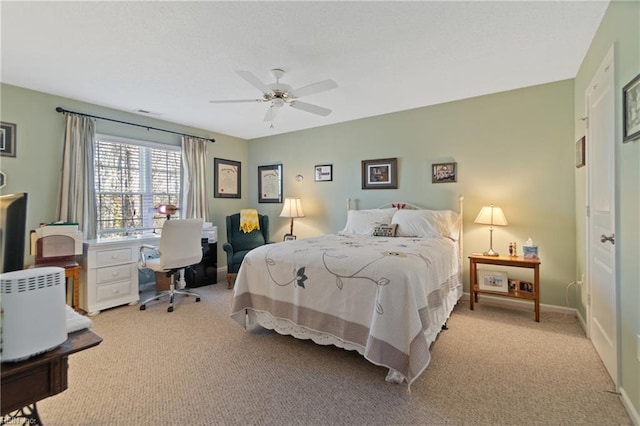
(75, 321)
(249, 220)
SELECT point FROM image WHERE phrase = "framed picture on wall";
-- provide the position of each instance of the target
(323, 172)
(631, 107)
(226, 178)
(270, 183)
(380, 174)
(580, 155)
(7, 139)
(444, 172)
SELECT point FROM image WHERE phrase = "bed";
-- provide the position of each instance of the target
(386, 297)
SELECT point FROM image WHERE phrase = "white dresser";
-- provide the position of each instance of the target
(109, 275)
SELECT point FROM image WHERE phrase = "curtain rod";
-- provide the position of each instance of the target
(62, 110)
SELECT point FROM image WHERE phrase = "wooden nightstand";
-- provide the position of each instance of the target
(512, 261)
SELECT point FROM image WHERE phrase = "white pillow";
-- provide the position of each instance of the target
(427, 223)
(363, 222)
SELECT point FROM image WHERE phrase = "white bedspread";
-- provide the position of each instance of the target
(387, 298)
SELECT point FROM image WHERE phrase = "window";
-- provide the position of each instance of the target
(131, 179)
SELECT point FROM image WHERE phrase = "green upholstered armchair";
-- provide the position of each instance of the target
(240, 243)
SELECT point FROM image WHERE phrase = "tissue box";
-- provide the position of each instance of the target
(530, 252)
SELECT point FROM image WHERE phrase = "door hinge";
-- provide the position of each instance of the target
(586, 121)
(588, 211)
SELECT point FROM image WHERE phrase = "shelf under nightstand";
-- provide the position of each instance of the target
(510, 261)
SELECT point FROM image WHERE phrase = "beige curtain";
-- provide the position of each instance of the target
(194, 182)
(77, 200)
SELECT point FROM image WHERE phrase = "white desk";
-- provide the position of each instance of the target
(110, 272)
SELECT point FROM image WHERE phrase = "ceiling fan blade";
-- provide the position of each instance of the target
(236, 101)
(254, 81)
(313, 109)
(271, 113)
(320, 86)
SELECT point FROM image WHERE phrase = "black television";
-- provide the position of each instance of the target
(13, 231)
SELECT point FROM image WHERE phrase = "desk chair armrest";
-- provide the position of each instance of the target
(142, 259)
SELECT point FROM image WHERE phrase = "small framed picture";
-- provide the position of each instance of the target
(289, 237)
(493, 280)
(444, 172)
(580, 155)
(526, 286)
(380, 174)
(7, 139)
(513, 285)
(323, 172)
(631, 107)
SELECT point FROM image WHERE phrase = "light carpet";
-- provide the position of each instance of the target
(197, 366)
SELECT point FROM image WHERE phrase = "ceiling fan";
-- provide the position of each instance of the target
(278, 94)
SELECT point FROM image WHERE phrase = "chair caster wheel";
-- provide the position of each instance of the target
(143, 307)
(197, 299)
(170, 309)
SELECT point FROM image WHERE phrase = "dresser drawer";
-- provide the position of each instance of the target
(113, 273)
(115, 256)
(116, 290)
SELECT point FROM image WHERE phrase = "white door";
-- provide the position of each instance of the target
(601, 253)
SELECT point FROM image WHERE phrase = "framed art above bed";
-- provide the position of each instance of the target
(380, 174)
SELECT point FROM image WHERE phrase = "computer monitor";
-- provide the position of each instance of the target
(13, 231)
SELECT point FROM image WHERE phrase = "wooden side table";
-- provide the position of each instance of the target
(73, 272)
(26, 382)
(512, 261)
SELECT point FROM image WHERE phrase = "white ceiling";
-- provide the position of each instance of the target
(171, 58)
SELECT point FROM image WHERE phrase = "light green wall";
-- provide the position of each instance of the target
(514, 149)
(40, 135)
(620, 27)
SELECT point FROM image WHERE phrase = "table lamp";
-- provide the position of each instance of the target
(292, 208)
(491, 215)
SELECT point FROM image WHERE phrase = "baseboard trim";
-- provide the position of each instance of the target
(626, 402)
(509, 302)
(582, 322)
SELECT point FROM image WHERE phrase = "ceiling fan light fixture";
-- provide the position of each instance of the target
(279, 94)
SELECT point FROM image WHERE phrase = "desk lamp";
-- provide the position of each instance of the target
(491, 215)
(292, 208)
(167, 209)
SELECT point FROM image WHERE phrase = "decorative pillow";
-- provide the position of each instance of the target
(427, 223)
(385, 230)
(363, 222)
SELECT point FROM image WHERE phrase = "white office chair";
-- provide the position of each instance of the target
(180, 247)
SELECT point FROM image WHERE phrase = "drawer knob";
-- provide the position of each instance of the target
(114, 256)
(116, 291)
(115, 273)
